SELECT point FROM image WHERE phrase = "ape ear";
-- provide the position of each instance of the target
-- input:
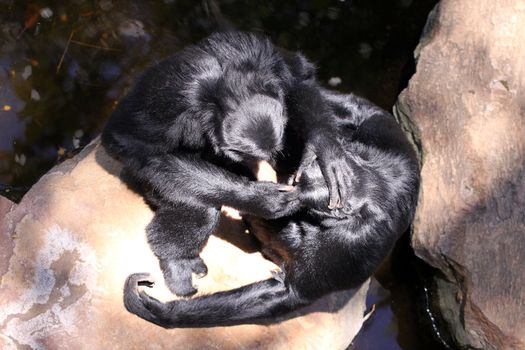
(306, 69)
(210, 96)
(272, 89)
(301, 68)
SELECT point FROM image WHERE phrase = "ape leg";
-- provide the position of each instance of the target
(177, 234)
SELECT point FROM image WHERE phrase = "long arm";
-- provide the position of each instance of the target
(257, 303)
(189, 179)
(308, 111)
(314, 122)
(311, 117)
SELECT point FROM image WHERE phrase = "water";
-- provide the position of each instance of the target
(403, 317)
(64, 65)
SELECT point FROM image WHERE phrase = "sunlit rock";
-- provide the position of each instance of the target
(466, 103)
(69, 245)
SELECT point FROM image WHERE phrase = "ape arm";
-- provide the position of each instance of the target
(188, 178)
(311, 117)
(308, 111)
(314, 122)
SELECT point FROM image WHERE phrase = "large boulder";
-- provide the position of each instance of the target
(465, 110)
(69, 245)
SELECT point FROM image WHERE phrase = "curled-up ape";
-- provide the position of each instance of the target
(191, 121)
(319, 250)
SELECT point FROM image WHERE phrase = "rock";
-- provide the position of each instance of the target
(465, 111)
(69, 245)
(6, 242)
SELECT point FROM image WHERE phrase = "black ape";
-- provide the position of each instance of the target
(318, 250)
(209, 107)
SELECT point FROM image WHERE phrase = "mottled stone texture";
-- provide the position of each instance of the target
(6, 243)
(466, 103)
(67, 248)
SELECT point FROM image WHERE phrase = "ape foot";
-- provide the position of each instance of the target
(199, 268)
(136, 280)
(178, 274)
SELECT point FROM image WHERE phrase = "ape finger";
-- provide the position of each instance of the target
(307, 160)
(342, 182)
(332, 188)
(286, 188)
(139, 279)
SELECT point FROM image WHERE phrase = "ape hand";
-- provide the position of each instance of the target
(271, 201)
(330, 155)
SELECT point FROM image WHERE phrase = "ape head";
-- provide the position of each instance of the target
(254, 130)
(251, 116)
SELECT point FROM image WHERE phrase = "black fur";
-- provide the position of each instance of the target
(189, 122)
(232, 99)
(318, 250)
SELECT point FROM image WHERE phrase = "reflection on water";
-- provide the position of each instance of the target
(65, 64)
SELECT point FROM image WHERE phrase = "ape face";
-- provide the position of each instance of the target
(251, 118)
(253, 131)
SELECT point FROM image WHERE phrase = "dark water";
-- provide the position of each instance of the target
(401, 292)
(64, 64)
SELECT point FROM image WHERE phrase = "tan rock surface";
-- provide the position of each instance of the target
(467, 105)
(69, 245)
(6, 243)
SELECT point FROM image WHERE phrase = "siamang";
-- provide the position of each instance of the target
(319, 250)
(193, 124)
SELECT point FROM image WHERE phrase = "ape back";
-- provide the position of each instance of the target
(319, 250)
